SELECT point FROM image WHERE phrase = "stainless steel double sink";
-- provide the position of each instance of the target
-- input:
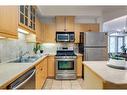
(30, 59)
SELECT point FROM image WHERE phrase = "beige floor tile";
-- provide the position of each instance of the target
(66, 84)
(48, 84)
(57, 84)
(74, 82)
(77, 86)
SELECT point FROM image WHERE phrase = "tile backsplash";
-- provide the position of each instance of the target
(51, 48)
(10, 48)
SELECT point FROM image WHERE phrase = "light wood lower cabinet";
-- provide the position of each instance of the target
(41, 73)
(51, 66)
(79, 65)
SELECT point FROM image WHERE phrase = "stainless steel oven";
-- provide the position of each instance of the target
(65, 67)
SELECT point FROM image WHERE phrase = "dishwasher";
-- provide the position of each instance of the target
(26, 81)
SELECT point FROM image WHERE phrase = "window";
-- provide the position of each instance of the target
(112, 44)
(115, 43)
(126, 41)
(120, 44)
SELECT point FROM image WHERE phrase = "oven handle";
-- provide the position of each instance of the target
(24, 80)
(65, 59)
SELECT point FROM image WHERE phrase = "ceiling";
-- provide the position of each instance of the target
(88, 11)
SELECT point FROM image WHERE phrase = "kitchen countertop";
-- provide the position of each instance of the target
(79, 54)
(106, 73)
(10, 71)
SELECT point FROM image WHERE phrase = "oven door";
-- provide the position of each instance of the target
(62, 38)
(65, 66)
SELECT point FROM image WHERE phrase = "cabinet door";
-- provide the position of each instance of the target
(9, 21)
(70, 23)
(51, 66)
(94, 27)
(79, 65)
(45, 68)
(39, 76)
(49, 33)
(85, 28)
(27, 18)
(60, 23)
(77, 32)
(38, 31)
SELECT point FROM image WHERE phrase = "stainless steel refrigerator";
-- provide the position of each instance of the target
(93, 46)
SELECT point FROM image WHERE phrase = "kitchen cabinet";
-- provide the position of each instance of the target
(49, 33)
(94, 27)
(91, 27)
(79, 65)
(38, 31)
(41, 73)
(77, 32)
(51, 66)
(65, 23)
(27, 18)
(9, 21)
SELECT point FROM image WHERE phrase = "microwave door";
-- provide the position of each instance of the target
(62, 37)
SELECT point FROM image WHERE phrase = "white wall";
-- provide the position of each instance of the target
(107, 16)
(9, 49)
(116, 25)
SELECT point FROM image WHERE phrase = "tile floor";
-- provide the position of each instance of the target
(64, 84)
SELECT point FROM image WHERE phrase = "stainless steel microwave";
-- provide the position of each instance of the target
(65, 36)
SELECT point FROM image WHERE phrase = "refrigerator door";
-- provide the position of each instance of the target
(95, 54)
(95, 39)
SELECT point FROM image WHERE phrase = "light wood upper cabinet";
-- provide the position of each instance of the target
(38, 31)
(27, 18)
(85, 28)
(70, 23)
(91, 27)
(60, 23)
(49, 33)
(65, 23)
(9, 21)
(94, 27)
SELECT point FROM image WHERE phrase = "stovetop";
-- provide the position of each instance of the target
(65, 54)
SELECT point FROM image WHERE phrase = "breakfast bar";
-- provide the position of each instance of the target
(97, 75)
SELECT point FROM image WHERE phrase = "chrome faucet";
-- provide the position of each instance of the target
(21, 54)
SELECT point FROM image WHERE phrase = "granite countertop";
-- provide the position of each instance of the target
(10, 71)
(106, 73)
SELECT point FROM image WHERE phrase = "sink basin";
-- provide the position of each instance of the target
(25, 60)
(117, 67)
